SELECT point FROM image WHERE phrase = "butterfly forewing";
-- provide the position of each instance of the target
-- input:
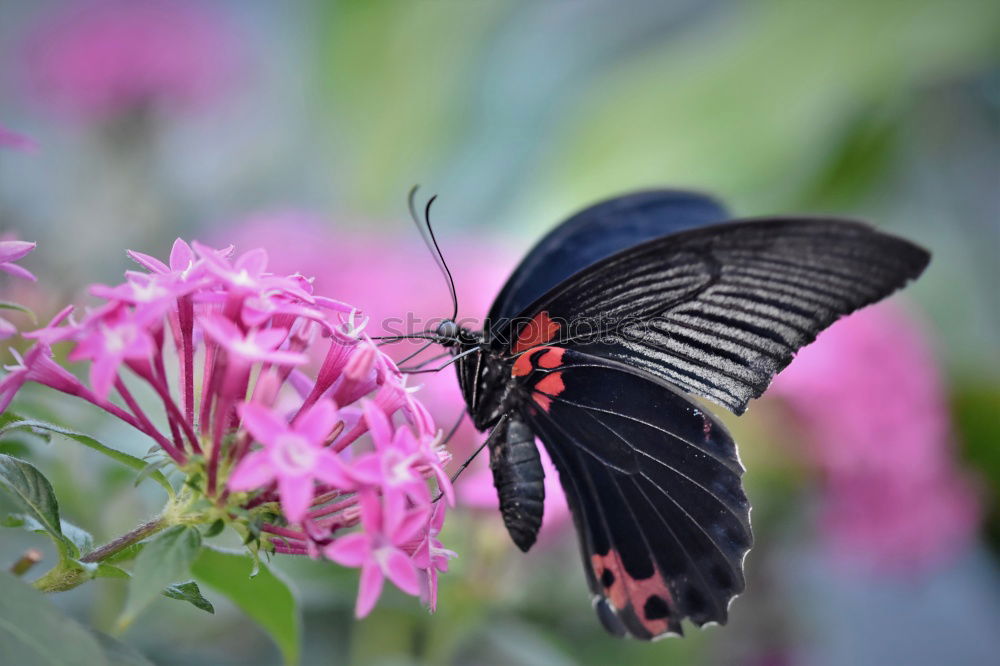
(600, 231)
(718, 311)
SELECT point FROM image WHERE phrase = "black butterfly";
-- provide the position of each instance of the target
(591, 347)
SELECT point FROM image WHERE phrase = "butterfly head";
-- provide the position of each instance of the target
(450, 334)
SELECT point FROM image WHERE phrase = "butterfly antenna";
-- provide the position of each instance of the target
(427, 232)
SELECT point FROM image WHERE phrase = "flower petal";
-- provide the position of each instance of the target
(13, 250)
(444, 485)
(429, 588)
(317, 423)
(295, 494)
(181, 255)
(398, 568)
(152, 264)
(270, 338)
(371, 512)
(17, 271)
(252, 472)
(7, 329)
(253, 261)
(350, 550)
(367, 469)
(10, 385)
(413, 523)
(369, 589)
(220, 329)
(378, 424)
(103, 372)
(330, 469)
(263, 424)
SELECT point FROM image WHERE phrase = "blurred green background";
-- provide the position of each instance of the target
(305, 123)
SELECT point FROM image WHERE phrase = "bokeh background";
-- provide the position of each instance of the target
(874, 462)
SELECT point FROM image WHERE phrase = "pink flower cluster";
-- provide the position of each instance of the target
(14, 141)
(252, 430)
(869, 397)
(97, 58)
(307, 237)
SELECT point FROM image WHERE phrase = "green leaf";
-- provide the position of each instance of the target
(166, 558)
(149, 470)
(105, 570)
(267, 599)
(125, 459)
(33, 493)
(215, 529)
(9, 305)
(79, 537)
(33, 631)
(190, 593)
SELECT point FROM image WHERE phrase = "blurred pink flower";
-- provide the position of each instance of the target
(875, 413)
(99, 58)
(405, 283)
(15, 141)
(11, 251)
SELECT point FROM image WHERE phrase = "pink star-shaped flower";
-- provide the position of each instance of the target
(398, 458)
(255, 345)
(294, 456)
(378, 547)
(118, 336)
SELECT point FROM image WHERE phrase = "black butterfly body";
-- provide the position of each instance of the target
(591, 347)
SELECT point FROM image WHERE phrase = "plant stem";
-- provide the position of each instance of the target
(125, 540)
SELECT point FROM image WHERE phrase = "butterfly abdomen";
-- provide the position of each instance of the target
(519, 480)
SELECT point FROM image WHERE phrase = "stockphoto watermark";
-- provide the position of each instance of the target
(538, 329)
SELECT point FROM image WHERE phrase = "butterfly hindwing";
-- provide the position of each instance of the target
(653, 482)
(597, 232)
(717, 311)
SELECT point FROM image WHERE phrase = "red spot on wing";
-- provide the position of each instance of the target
(551, 384)
(522, 366)
(615, 592)
(538, 331)
(552, 358)
(630, 595)
(543, 357)
(549, 387)
(543, 401)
